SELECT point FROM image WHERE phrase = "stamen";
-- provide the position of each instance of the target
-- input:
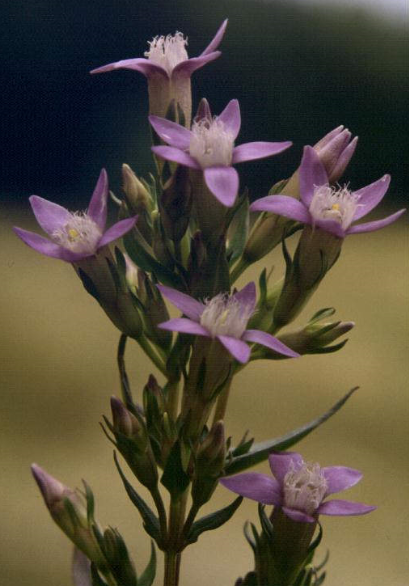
(167, 51)
(211, 144)
(225, 316)
(79, 234)
(334, 204)
(305, 487)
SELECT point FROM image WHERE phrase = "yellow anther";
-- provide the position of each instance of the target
(224, 316)
(73, 233)
(335, 206)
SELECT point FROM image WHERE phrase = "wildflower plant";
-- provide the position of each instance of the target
(184, 238)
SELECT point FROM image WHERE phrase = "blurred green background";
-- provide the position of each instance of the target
(298, 71)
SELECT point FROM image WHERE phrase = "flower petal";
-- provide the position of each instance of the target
(231, 118)
(282, 462)
(370, 196)
(328, 137)
(49, 215)
(298, 515)
(44, 246)
(189, 66)
(253, 485)
(249, 151)
(312, 174)
(247, 295)
(81, 569)
(140, 64)
(376, 224)
(187, 305)
(343, 160)
(331, 226)
(203, 111)
(176, 155)
(174, 134)
(269, 341)
(184, 326)
(97, 209)
(117, 231)
(340, 478)
(341, 507)
(283, 205)
(223, 182)
(238, 349)
(215, 42)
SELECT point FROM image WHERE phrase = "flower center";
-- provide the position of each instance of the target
(79, 234)
(211, 144)
(225, 316)
(305, 487)
(167, 51)
(334, 204)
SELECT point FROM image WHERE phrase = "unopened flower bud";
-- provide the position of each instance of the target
(160, 243)
(117, 555)
(127, 424)
(137, 195)
(68, 511)
(209, 464)
(315, 338)
(335, 150)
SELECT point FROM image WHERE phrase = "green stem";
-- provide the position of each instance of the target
(238, 270)
(194, 509)
(172, 565)
(221, 405)
(175, 539)
(126, 391)
(161, 512)
(149, 351)
(173, 399)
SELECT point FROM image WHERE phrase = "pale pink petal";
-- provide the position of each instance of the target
(184, 326)
(282, 462)
(328, 137)
(269, 341)
(140, 64)
(255, 486)
(343, 508)
(186, 68)
(174, 134)
(81, 569)
(49, 215)
(231, 118)
(343, 160)
(223, 182)
(97, 209)
(376, 224)
(283, 205)
(238, 349)
(312, 174)
(187, 305)
(117, 231)
(247, 295)
(331, 226)
(298, 515)
(340, 478)
(215, 42)
(370, 196)
(44, 246)
(176, 155)
(249, 151)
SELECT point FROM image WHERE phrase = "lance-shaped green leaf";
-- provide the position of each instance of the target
(148, 575)
(150, 521)
(213, 521)
(260, 451)
(174, 477)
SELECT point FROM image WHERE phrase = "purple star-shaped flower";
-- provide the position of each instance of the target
(332, 210)
(224, 317)
(74, 236)
(167, 57)
(209, 146)
(299, 488)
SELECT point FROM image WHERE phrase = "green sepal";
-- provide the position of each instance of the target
(314, 544)
(213, 521)
(244, 446)
(148, 575)
(322, 314)
(174, 477)
(260, 451)
(89, 496)
(150, 521)
(265, 522)
(330, 349)
(88, 284)
(254, 539)
(239, 227)
(95, 577)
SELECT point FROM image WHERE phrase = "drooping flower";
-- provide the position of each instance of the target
(168, 69)
(209, 146)
(331, 209)
(224, 317)
(78, 235)
(300, 488)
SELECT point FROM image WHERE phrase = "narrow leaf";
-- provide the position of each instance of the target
(148, 575)
(238, 229)
(174, 478)
(260, 451)
(96, 578)
(213, 521)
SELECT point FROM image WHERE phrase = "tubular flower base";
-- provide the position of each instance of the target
(74, 236)
(299, 488)
(321, 206)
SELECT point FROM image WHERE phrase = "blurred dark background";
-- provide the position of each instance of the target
(298, 71)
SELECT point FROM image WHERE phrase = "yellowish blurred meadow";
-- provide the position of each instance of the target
(58, 371)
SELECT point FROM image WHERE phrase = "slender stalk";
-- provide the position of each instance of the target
(177, 511)
(161, 512)
(194, 509)
(173, 399)
(149, 351)
(172, 566)
(126, 390)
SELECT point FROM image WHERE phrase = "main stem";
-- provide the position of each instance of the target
(173, 554)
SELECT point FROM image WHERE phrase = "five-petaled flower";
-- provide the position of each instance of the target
(78, 235)
(224, 317)
(332, 210)
(299, 487)
(209, 146)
